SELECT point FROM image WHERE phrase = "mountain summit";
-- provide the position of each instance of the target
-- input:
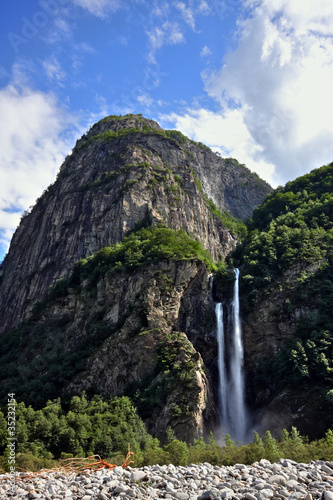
(106, 286)
(124, 171)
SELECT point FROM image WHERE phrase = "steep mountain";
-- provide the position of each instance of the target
(287, 289)
(123, 172)
(106, 284)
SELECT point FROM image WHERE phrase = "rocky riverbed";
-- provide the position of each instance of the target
(259, 481)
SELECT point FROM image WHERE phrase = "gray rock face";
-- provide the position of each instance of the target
(266, 329)
(121, 172)
(127, 332)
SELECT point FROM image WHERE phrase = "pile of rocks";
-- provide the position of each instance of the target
(260, 481)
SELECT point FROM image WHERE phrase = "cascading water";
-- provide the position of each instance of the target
(236, 390)
(231, 382)
(223, 413)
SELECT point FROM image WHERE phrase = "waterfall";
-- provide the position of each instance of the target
(231, 383)
(222, 395)
(237, 403)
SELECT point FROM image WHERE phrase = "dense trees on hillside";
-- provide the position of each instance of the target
(289, 249)
(293, 227)
(82, 427)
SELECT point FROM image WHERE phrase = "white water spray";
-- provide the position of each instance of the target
(231, 386)
(223, 387)
(237, 403)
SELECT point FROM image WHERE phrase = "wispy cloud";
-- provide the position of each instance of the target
(145, 100)
(169, 33)
(60, 31)
(99, 8)
(169, 21)
(33, 143)
(53, 69)
(187, 13)
(204, 8)
(205, 51)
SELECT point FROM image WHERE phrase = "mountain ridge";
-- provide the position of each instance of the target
(107, 186)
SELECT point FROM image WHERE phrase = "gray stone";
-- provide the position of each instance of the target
(138, 476)
(112, 483)
(259, 486)
(278, 479)
(118, 470)
(264, 494)
(131, 493)
(156, 478)
(291, 484)
(249, 496)
(170, 489)
(207, 495)
(89, 491)
(326, 469)
(286, 463)
(33, 494)
(264, 463)
(52, 489)
(121, 489)
(283, 493)
(226, 493)
(328, 495)
(102, 496)
(182, 496)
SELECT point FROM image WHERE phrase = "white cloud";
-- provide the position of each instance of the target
(171, 20)
(205, 51)
(85, 48)
(32, 147)
(169, 33)
(280, 78)
(99, 8)
(204, 8)
(187, 14)
(145, 100)
(53, 69)
(59, 32)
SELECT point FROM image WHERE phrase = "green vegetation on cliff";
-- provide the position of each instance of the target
(236, 226)
(289, 251)
(41, 357)
(293, 227)
(142, 126)
(146, 245)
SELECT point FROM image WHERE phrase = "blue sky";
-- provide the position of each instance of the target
(252, 79)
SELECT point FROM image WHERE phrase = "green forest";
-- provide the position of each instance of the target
(83, 427)
(289, 250)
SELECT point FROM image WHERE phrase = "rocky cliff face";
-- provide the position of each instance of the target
(267, 329)
(129, 333)
(147, 331)
(123, 171)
